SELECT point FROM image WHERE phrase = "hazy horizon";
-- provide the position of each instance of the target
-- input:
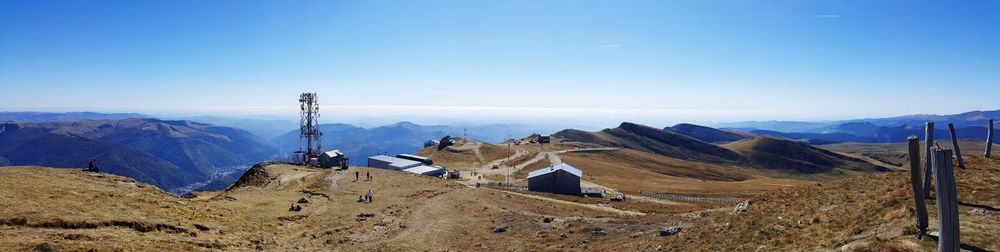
(538, 123)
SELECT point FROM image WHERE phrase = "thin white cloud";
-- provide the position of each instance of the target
(592, 46)
(829, 16)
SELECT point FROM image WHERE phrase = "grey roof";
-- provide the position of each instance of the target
(422, 169)
(395, 161)
(334, 153)
(554, 168)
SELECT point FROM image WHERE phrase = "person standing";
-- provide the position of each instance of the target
(368, 174)
(357, 175)
(370, 195)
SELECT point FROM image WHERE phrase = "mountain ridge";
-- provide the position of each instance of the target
(756, 152)
(169, 154)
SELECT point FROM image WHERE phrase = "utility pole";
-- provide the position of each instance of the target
(509, 142)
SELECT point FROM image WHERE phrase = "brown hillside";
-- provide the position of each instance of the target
(896, 153)
(55, 208)
(632, 171)
(466, 156)
(658, 141)
(795, 158)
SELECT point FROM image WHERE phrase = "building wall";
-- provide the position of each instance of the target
(559, 182)
(375, 163)
(329, 162)
(405, 166)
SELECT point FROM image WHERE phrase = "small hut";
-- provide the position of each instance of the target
(333, 158)
(559, 179)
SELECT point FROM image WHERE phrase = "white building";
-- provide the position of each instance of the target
(391, 163)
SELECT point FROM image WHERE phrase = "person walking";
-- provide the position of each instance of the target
(368, 174)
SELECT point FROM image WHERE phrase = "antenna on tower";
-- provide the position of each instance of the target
(308, 126)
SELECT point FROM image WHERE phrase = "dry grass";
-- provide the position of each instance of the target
(71, 210)
(523, 172)
(896, 153)
(518, 160)
(631, 171)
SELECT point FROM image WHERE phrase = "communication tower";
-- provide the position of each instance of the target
(308, 126)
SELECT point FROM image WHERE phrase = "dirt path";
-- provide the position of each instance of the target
(873, 161)
(552, 156)
(599, 207)
(474, 147)
(335, 177)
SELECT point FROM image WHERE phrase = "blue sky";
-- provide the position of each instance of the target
(657, 62)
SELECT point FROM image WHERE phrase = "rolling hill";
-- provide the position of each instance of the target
(774, 157)
(792, 157)
(169, 154)
(658, 141)
(707, 134)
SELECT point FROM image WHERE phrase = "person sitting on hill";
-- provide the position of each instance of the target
(92, 167)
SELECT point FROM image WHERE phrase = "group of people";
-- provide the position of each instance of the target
(367, 198)
(357, 175)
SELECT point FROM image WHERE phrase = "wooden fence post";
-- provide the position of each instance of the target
(947, 201)
(928, 174)
(989, 138)
(954, 142)
(918, 192)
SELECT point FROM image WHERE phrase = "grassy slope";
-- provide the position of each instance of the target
(796, 158)
(653, 140)
(631, 171)
(40, 205)
(870, 212)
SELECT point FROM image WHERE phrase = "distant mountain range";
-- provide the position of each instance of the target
(969, 125)
(169, 154)
(267, 128)
(65, 117)
(180, 155)
(404, 137)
